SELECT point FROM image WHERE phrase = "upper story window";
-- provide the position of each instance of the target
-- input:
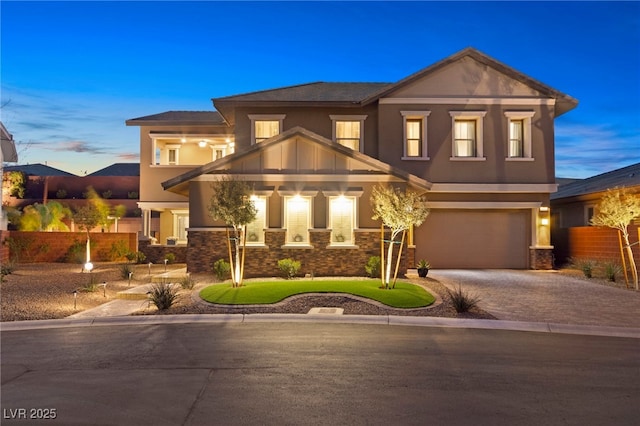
(348, 130)
(415, 135)
(172, 155)
(255, 229)
(265, 126)
(467, 131)
(519, 139)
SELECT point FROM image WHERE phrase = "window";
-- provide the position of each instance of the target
(467, 135)
(297, 219)
(180, 225)
(264, 126)
(519, 142)
(255, 229)
(171, 154)
(342, 219)
(415, 135)
(348, 130)
(589, 212)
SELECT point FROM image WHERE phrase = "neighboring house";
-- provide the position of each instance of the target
(118, 184)
(573, 207)
(473, 134)
(576, 202)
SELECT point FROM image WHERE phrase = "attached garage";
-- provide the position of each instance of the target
(477, 239)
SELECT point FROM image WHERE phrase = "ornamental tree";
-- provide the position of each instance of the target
(617, 209)
(399, 211)
(231, 203)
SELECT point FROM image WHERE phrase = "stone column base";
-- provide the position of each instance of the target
(541, 258)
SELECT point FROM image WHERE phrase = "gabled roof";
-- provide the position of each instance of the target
(119, 169)
(625, 177)
(192, 118)
(221, 165)
(37, 170)
(564, 102)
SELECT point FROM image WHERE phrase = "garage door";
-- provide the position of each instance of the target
(475, 239)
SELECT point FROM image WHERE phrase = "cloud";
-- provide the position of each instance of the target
(129, 156)
(75, 146)
(587, 150)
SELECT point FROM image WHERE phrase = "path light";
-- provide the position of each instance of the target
(150, 268)
(104, 288)
(165, 265)
(130, 274)
(75, 299)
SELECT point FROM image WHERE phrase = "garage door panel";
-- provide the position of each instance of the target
(474, 239)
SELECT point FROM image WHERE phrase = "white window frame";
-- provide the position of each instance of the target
(169, 148)
(177, 214)
(415, 115)
(289, 239)
(265, 117)
(260, 241)
(525, 117)
(478, 117)
(360, 118)
(350, 240)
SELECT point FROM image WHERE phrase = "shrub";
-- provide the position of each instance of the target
(107, 194)
(585, 265)
(6, 269)
(125, 270)
(187, 282)
(289, 267)
(76, 252)
(118, 250)
(163, 295)
(461, 300)
(61, 193)
(170, 257)
(222, 269)
(132, 195)
(611, 269)
(136, 257)
(373, 267)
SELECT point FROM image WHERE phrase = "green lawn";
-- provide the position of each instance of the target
(405, 295)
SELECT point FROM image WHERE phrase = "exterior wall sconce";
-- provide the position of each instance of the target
(544, 221)
(202, 144)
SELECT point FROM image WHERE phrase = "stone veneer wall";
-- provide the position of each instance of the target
(207, 246)
(156, 253)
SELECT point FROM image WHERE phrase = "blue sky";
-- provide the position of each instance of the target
(73, 72)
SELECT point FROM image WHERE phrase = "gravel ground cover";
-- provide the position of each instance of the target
(45, 291)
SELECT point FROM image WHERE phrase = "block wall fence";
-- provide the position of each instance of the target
(590, 242)
(31, 247)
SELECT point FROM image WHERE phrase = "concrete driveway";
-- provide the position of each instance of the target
(546, 296)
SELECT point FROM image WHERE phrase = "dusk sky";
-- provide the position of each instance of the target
(73, 72)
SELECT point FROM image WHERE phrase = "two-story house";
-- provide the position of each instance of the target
(474, 135)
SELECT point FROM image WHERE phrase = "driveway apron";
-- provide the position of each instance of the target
(546, 296)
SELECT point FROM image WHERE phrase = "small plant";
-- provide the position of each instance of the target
(76, 252)
(461, 300)
(118, 250)
(423, 268)
(187, 282)
(373, 267)
(585, 265)
(61, 193)
(107, 194)
(170, 258)
(125, 270)
(135, 256)
(132, 195)
(289, 267)
(611, 269)
(163, 295)
(6, 269)
(222, 269)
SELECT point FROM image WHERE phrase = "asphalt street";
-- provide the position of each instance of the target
(315, 374)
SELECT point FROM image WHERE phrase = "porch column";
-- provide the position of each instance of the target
(541, 250)
(146, 223)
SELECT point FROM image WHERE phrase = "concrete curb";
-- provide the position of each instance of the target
(392, 320)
